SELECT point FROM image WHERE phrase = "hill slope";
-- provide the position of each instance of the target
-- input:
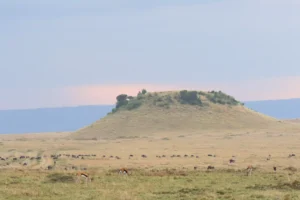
(181, 113)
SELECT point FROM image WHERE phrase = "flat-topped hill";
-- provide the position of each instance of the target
(178, 112)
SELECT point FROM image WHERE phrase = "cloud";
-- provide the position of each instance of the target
(260, 89)
(229, 45)
(222, 41)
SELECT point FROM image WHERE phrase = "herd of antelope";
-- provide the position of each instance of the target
(124, 171)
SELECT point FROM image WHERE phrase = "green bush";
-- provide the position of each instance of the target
(201, 93)
(221, 98)
(121, 100)
(133, 104)
(189, 97)
(162, 104)
(59, 178)
(144, 91)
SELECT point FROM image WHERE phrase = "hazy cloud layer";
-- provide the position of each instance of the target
(68, 45)
(264, 89)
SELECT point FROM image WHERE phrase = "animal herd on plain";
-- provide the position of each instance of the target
(82, 174)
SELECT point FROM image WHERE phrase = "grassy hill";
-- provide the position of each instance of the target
(178, 113)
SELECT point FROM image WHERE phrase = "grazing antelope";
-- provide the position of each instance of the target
(83, 175)
(275, 169)
(210, 167)
(249, 170)
(231, 161)
(123, 171)
(291, 155)
(195, 168)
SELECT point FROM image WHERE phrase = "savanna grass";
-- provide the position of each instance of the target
(166, 184)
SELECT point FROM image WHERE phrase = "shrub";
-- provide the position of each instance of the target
(121, 100)
(201, 93)
(162, 104)
(127, 102)
(114, 110)
(140, 96)
(189, 97)
(221, 98)
(133, 104)
(122, 97)
(144, 91)
(59, 178)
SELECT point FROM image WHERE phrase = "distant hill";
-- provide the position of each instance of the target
(177, 112)
(74, 118)
(280, 109)
(50, 119)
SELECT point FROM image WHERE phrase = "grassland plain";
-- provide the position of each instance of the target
(152, 177)
(155, 184)
(178, 137)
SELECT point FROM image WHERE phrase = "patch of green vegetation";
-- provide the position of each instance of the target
(133, 104)
(163, 101)
(126, 102)
(166, 100)
(189, 97)
(59, 178)
(221, 98)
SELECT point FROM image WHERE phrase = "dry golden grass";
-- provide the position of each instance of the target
(146, 182)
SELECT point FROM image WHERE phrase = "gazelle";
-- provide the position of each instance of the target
(123, 171)
(249, 170)
(84, 175)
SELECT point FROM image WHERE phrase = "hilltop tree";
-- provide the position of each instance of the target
(121, 100)
(144, 91)
(189, 97)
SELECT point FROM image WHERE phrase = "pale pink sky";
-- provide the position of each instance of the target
(264, 89)
(276, 88)
(68, 53)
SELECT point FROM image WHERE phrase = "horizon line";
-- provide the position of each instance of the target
(87, 105)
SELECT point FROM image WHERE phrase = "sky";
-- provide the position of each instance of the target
(57, 53)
